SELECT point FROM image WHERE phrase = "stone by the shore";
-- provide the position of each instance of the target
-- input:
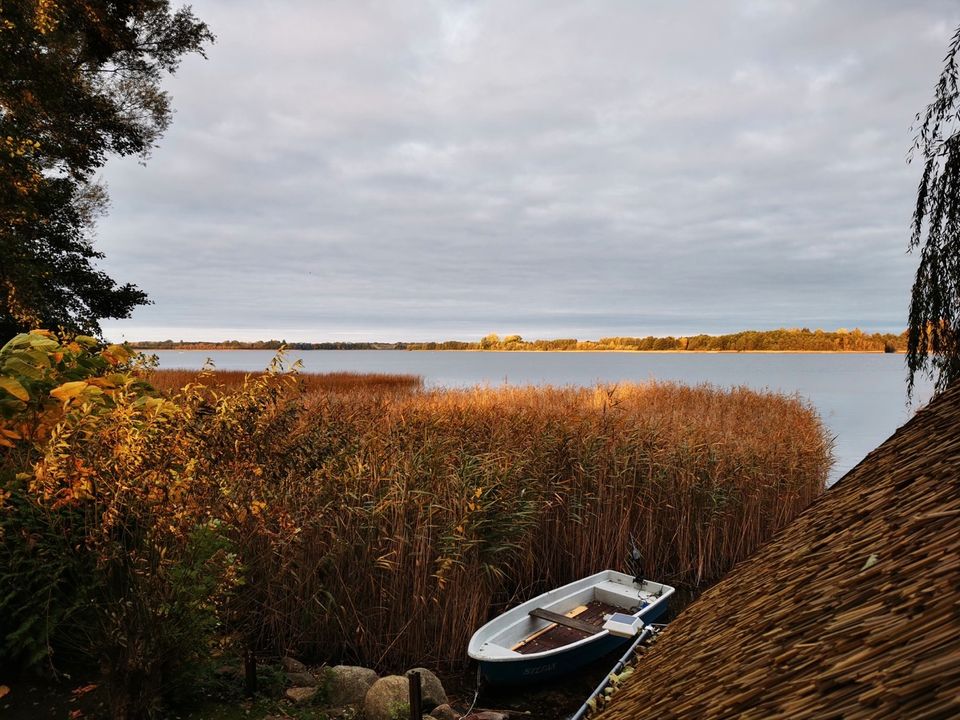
(433, 693)
(385, 697)
(301, 695)
(348, 684)
(291, 665)
(302, 679)
(445, 712)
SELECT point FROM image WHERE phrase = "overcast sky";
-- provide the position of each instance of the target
(429, 170)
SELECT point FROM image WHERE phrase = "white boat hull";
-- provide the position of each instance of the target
(494, 645)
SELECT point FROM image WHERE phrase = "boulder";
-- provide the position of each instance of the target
(387, 698)
(348, 684)
(302, 679)
(432, 693)
(445, 712)
(301, 695)
(292, 666)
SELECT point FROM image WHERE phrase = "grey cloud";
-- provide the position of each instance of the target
(390, 170)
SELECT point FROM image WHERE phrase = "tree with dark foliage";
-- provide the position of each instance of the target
(933, 341)
(79, 81)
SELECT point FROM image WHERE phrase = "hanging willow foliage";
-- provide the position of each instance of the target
(933, 343)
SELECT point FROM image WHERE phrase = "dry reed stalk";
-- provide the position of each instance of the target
(173, 380)
(422, 514)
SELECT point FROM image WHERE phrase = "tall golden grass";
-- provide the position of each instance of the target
(420, 515)
(174, 379)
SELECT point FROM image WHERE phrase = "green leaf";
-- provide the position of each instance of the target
(37, 358)
(13, 386)
(10, 406)
(43, 343)
(16, 366)
(19, 341)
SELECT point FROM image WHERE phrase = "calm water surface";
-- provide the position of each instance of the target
(861, 398)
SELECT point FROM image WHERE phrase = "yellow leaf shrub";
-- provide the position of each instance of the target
(141, 499)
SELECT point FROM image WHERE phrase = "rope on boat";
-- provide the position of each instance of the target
(648, 630)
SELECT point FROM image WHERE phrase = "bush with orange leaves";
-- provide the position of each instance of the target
(117, 535)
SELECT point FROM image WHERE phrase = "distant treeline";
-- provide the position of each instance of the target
(263, 345)
(782, 340)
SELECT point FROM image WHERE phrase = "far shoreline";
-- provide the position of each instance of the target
(514, 352)
(783, 340)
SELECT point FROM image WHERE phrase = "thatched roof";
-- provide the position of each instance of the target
(853, 610)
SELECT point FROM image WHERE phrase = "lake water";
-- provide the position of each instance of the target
(861, 397)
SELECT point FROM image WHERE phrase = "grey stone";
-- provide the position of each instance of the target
(302, 679)
(445, 712)
(386, 697)
(433, 693)
(301, 695)
(348, 684)
(292, 666)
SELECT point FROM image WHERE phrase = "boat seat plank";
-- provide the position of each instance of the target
(555, 636)
(547, 628)
(569, 622)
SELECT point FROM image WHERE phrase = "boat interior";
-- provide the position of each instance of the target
(557, 633)
(573, 617)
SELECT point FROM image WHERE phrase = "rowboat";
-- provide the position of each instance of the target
(564, 629)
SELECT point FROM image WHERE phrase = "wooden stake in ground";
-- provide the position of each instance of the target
(250, 673)
(416, 696)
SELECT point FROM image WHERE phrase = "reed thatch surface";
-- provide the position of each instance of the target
(852, 611)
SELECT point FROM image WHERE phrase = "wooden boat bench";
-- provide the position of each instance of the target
(570, 622)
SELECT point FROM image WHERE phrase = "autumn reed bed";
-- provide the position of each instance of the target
(418, 516)
(174, 379)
